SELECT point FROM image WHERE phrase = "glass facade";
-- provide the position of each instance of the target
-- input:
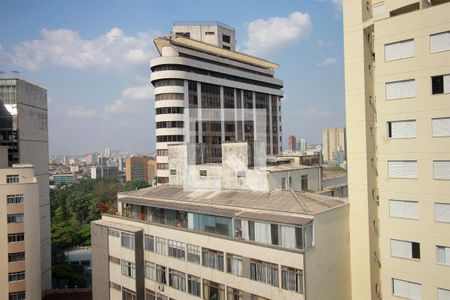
(8, 119)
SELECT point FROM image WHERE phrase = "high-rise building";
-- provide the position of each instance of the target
(292, 144)
(24, 130)
(142, 167)
(107, 152)
(208, 93)
(397, 82)
(104, 172)
(333, 140)
(301, 145)
(20, 251)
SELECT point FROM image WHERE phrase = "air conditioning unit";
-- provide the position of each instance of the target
(161, 287)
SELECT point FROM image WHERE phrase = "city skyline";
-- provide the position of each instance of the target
(111, 101)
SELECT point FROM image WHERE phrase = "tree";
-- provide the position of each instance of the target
(136, 184)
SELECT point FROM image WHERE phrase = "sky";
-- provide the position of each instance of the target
(93, 58)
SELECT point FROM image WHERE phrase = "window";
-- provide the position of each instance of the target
(17, 295)
(203, 173)
(193, 253)
(12, 178)
(169, 96)
(167, 82)
(161, 246)
(404, 209)
(304, 182)
(400, 89)
(15, 218)
(442, 212)
(14, 199)
(226, 38)
(161, 274)
(149, 242)
(406, 289)
(169, 138)
(441, 127)
(16, 237)
(127, 240)
(377, 9)
(443, 294)
(402, 169)
(441, 169)
(440, 42)
(114, 260)
(234, 294)
(264, 272)
(17, 256)
(128, 295)
(208, 223)
(241, 174)
(213, 290)
(399, 50)
(16, 276)
(290, 182)
(212, 259)
(162, 166)
(194, 285)
(292, 279)
(128, 269)
(443, 255)
(288, 236)
(173, 172)
(150, 295)
(405, 249)
(234, 264)
(176, 249)
(283, 183)
(440, 84)
(177, 280)
(309, 236)
(209, 32)
(402, 129)
(115, 286)
(256, 297)
(113, 232)
(162, 152)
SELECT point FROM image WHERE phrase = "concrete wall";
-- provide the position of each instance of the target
(327, 264)
(100, 262)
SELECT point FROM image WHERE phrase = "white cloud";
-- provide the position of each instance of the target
(132, 100)
(327, 61)
(65, 47)
(266, 35)
(323, 44)
(338, 5)
(80, 112)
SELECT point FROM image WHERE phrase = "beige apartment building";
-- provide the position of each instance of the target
(333, 140)
(20, 259)
(227, 240)
(397, 83)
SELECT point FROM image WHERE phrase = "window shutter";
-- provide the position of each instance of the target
(443, 294)
(446, 84)
(403, 129)
(393, 90)
(441, 169)
(440, 42)
(398, 248)
(442, 212)
(441, 127)
(392, 51)
(408, 88)
(396, 208)
(414, 291)
(402, 169)
(411, 209)
(407, 49)
(447, 255)
(400, 288)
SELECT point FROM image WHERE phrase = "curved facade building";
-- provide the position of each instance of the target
(206, 93)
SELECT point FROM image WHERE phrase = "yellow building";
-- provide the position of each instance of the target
(333, 140)
(397, 83)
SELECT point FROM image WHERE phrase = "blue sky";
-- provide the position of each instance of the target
(93, 58)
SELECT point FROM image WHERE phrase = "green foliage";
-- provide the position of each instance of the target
(136, 184)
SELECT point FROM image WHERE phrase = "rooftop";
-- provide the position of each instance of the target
(284, 206)
(182, 41)
(202, 23)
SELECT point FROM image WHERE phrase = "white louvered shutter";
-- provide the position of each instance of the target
(408, 88)
(414, 291)
(401, 249)
(378, 9)
(411, 209)
(443, 294)
(392, 51)
(403, 129)
(441, 169)
(409, 169)
(393, 90)
(440, 42)
(441, 127)
(442, 212)
(396, 208)
(400, 288)
(446, 84)
(407, 49)
(447, 255)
